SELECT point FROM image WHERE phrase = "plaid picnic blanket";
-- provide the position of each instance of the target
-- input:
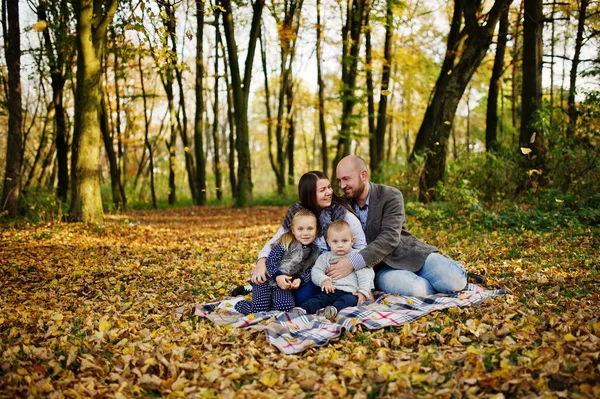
(292, 332)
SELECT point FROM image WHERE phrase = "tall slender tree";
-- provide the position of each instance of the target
(356, 17)
(93, 18)
(579, 40)
(467, 45)
(491, 127)
(59, 54)
(241, 91)
(516, 68)
(321, 92)
(199, 90)
(531, 139)
(382, 117)
(113, 162)
(230, 121)
(147, 143)
(215, 131)
(14, 151)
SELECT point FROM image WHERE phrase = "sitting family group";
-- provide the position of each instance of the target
(331, 251)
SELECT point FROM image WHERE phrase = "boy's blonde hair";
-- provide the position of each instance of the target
(339, 226)
(288, 238)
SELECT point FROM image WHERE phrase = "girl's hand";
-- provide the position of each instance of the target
(296, 283)
(284, 282)
(259, 274)
(327, 287)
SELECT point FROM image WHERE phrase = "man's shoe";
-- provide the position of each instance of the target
(329, 312)
(241, 290)
(478, 278)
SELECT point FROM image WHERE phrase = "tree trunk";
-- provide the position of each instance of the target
(172, 143)
(515, 69)
(178, 123)
(36, 167)
(240, 96)
(321, 93)
(491, 127)
(291, 128)
(275, 161)
(93, 17)
(357, 11)
(198, 122)
(385, 85)
(122, 154)
(572, 109)
(370, 100)
(14, 151)
(552, 58)
(47, 168)
(215, 132)
(468, 132)
(113, 162)
(57, 63)
(473, 40)
(147, 134)
(531, 136)
(230, 121)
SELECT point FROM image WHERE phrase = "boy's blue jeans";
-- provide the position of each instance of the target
(339, 299)
(438, 274)
(305, 292)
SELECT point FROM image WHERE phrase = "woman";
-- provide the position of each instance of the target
(315, 194)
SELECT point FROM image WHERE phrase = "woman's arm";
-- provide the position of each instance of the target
(259, 274)
(264, 252)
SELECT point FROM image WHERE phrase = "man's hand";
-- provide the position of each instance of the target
(284, 282)
(259, 274)
(339, 268)
(327, 287)
(296, 283)
(361, 297)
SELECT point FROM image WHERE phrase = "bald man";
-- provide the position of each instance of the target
(403, 264)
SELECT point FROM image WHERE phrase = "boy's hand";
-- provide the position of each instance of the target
(296, 283)
(327, 287)
(284, 282)
(361, 297)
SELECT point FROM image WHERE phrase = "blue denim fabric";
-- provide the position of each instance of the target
(438, 274)
(306, 292)
(338, 299)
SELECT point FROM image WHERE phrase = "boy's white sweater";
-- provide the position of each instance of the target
(357, 281)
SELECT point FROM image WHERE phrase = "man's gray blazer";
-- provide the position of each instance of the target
(388, 239)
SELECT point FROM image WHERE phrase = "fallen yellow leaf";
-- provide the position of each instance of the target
(569, 337)
(269, 378)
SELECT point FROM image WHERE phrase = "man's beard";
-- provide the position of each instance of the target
(357, 191)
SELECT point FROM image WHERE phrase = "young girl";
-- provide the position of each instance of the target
(289, 264)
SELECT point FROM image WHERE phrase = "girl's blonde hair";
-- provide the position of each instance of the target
(288, 238)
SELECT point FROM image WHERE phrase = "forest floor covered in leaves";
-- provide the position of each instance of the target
(91, 312)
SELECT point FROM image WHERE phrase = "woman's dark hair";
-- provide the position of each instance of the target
(307, 192)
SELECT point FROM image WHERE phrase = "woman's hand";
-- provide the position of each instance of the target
(327, 287)
(259, 274)
(284, 282)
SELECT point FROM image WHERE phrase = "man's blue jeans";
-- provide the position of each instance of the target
(438, 274)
